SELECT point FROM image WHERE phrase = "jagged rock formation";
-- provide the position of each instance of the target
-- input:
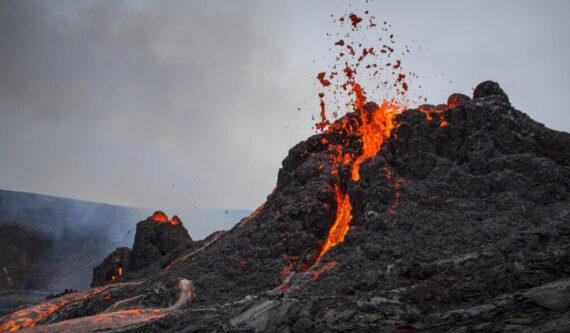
(460, 223)
(156, 237)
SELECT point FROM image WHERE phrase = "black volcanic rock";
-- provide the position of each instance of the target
(455, 100)
(156, 238)
(108, 270)
(488, 89)
(462, 226)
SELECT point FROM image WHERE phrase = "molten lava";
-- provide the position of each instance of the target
(341, 223)
(375, 129)
(175, 220)
(315, 274)
(370, 123)
(31, 316)
(430, 110)
(159, 217)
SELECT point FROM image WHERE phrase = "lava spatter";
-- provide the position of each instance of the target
(360, 64)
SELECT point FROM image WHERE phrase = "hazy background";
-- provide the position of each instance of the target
(165, 104)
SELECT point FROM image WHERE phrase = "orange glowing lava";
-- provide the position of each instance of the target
(375, 129)
(356, 63)
(341, 224)
(175, 220)
(315, 274)
(430, 110)
(159, 217)
(31, 316)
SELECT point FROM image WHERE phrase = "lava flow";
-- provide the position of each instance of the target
(112, 319)
(341, 223)
(31, 316)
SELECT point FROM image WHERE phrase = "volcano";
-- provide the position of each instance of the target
(443, 218)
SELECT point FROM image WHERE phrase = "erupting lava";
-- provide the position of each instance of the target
(371, 123)
(375, 128)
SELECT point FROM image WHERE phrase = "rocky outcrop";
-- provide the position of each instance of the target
(155, 239)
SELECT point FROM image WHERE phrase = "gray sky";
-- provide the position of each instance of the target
(194, 103)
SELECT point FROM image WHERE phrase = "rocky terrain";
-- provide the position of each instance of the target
(459, 223)
(80, 235)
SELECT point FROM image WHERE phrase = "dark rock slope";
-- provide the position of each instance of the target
(21, 251)
(461, 223)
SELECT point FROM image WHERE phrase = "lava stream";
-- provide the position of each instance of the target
(113, 320)
(341, 223)
(373, 64)
(373, 129)
(31, 316)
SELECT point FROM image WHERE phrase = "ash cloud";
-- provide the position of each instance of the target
(161, 103)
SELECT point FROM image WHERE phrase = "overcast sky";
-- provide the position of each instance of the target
(166, 104)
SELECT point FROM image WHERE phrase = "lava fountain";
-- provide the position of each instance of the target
(373, 124)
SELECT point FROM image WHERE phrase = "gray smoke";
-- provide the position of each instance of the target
(194, 103)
